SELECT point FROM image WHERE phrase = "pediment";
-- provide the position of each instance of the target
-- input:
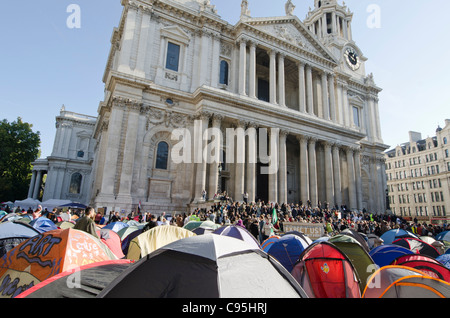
(175, 33)
(292, 31)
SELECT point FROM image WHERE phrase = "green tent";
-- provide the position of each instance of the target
(360, 259)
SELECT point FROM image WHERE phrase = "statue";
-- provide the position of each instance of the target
(244, 8)
(289, 8)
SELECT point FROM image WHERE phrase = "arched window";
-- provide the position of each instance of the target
(75, 183)
(224, 68)
(162, 156)
(445, 140)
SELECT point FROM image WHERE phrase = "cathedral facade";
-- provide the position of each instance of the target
(233, 100)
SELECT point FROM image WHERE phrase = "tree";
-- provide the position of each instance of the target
(19, 147)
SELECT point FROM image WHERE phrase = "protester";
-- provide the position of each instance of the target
(87, 223)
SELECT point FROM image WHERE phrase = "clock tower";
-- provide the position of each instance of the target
(331, 23)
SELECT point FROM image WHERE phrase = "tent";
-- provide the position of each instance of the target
(191, 225)
(14, 233)
(124, 232)
(390, 236)
(417, 246)
(395, 281)
(46, 255)
(324, 271)
(303, 236)
(27, 203)
(53, 203)
(85, 282)
(237, 232)
(360, 237)
(268, 242)
(205, 266)
(357, 254)
(155, 238)
(443, 236)
(425, 264)
(127, 240)
(384, 255)
(43, 224)
(73, 205)
(65, 225)
(444, 260)
(287, 249)
(373, 241)
(112, 240)
(116, 226)
(202, 230)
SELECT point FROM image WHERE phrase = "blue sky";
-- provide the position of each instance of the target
(46, 64)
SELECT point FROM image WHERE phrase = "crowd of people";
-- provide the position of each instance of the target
(260, 218)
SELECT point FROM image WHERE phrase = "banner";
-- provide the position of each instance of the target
(312, 230)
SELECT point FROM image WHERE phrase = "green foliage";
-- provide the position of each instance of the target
(19, 147)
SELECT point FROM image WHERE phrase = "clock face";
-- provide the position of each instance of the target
(352, 58)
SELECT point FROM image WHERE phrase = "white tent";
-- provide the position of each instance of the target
(27, 203)
(53, 203)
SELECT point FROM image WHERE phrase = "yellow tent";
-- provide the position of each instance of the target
(157, 237)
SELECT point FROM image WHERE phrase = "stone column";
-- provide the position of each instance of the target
(242, 66)
(32, 184)
(351, 179)
(199, 145)
(129, 153)
(337, 175)
(37, 185)
(112, 151)
(359, 199)
(252, 71)
(273, 177)
(304, 185)
(312, 171)
(273, 79)
(302, 87)
(331, 91)
(214, 166)
(252, 153)
(281, 81)
(282, 171)
(239, 178)
(309, 91)
(329, 186)
(325, 103)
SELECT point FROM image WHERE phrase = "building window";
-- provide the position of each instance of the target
(445, 140)
(446, 153)
(162, 156)
(80, 154)
(173, 57)
(224, 70)
(75, 183)
(356, 116)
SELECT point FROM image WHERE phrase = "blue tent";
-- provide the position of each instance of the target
(385, 254)
(14, 233)
(43, 224)
(392, 235)
(444, 260)
(443, 236)
(287, 249)
(239, 233)
(116, 226)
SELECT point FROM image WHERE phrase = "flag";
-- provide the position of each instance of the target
(274, 216)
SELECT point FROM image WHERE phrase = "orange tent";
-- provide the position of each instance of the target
(47, 255)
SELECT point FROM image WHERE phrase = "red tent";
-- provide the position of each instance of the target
(326, 272)
(425, 264)
(112, 240)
